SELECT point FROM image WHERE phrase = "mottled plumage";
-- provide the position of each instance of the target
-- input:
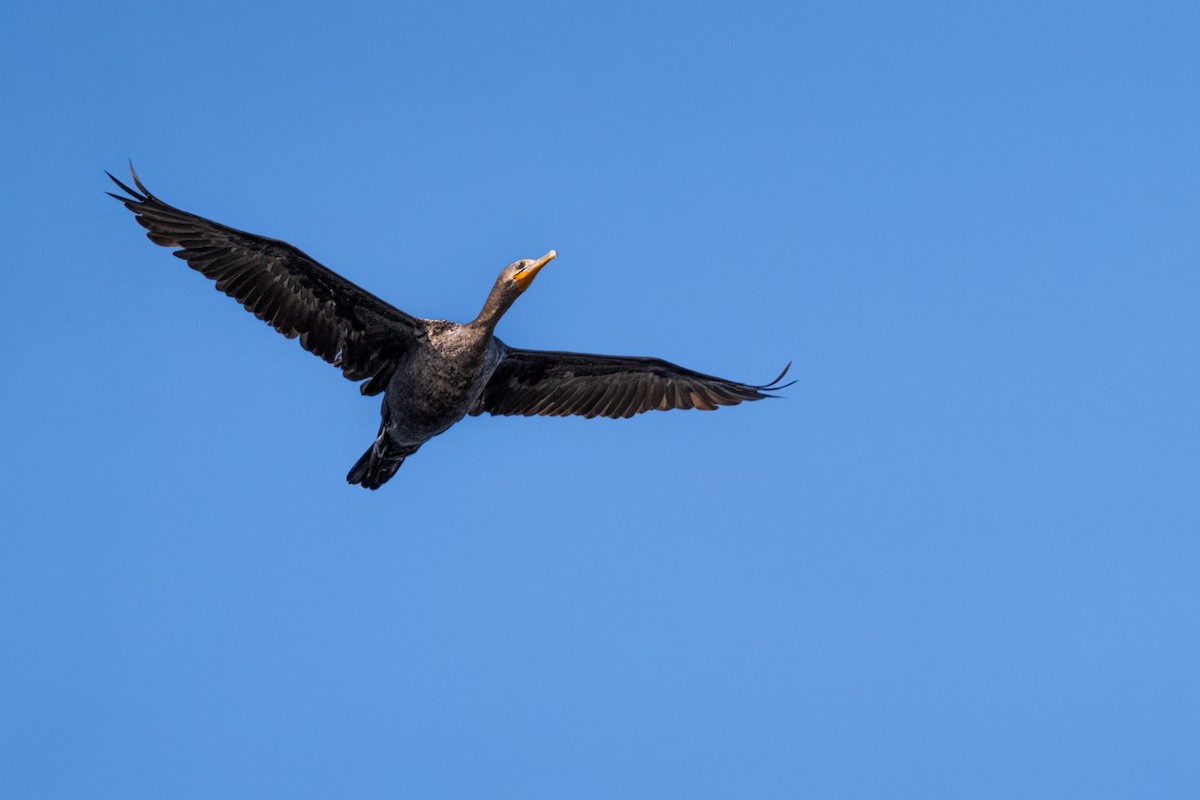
(432, 372)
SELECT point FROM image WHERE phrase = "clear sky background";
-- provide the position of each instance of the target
(960, 559)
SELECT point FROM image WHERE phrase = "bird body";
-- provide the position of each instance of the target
(432, 373)
(452, 363)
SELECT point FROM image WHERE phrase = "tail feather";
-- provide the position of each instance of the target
(377, 465)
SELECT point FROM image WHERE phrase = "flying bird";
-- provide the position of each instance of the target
(432, 373)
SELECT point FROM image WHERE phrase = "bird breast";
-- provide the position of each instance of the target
(437, 385)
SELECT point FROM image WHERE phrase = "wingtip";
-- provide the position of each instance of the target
(134, 196)
(775, 385)
(138, 181)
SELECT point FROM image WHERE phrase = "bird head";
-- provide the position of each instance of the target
(513, 281)
(524, 271)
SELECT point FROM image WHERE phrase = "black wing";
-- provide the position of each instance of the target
(535, 382)
(336, 320)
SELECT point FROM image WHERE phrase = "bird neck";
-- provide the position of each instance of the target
(497, 303)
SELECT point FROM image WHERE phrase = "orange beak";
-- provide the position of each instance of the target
(526, 276)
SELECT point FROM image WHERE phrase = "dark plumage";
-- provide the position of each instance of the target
(432, 372)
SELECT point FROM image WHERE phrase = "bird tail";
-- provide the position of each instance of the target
(378, 464)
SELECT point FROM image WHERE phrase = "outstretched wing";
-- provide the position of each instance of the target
(334, 319)
(536, 382)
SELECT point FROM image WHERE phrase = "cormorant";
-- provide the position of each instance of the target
(432, 372)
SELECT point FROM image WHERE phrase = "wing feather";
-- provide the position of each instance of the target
(536, 382)
(334, 319)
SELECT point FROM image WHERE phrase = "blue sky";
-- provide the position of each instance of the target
(959, 560)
